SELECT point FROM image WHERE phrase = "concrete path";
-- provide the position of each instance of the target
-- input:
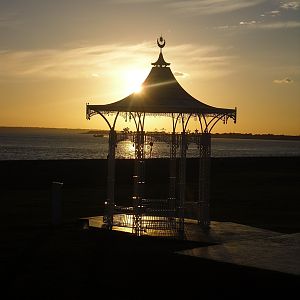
(249, 246)
(223, 232)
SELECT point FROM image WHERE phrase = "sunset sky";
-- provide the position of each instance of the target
(57, 55)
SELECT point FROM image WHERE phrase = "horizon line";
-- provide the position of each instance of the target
(95, 129)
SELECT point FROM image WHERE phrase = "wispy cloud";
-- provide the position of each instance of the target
(71, 63)
(205, 62)
(248, 22)
(261, 25)
(199, 7)
(294, 5)
(272, 13)
(106, 61)
(207, 7)
(137, 1)
(279, 25)
(286, 80)
(180, 74)
(266, 19)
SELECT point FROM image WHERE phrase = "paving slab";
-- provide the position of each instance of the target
(221, 232)
(277, 253)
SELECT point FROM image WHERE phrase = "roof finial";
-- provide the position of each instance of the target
(161, 42)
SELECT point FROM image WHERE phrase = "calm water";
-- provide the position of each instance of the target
(21, 144)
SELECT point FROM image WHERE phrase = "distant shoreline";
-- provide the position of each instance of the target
(229, 135)
(214, 135)
(256, 136)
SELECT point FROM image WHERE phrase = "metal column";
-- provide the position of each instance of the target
(182, 183)
(172, 177)
(110, 203)
(138, 182)
(204, 179)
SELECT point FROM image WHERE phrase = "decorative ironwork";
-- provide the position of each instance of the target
(168, 213)
(206, 121)
(161, 216)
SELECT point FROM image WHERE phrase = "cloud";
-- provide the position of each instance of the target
(294, 5)
(272, 13)
(279, 25)
(109, 61)
(79, 62)
(206, 62)
(248, 22)
(199, 7)
(207, 7)
(283, 81)
(261, 25)
(180, 74)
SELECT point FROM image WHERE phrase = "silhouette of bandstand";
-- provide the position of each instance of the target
(161, 95)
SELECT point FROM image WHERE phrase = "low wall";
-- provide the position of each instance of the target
(262, 192)
(92, 173)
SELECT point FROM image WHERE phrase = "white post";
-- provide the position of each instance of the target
(56, 203)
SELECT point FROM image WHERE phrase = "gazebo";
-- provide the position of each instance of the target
(161, 95)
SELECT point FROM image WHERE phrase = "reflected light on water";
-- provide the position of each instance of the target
(42, 144)
(125, 149)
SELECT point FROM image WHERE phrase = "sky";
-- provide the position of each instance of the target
(55, 56)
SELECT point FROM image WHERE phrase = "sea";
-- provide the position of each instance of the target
(49, 144)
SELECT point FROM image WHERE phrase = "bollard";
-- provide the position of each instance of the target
(56, 203)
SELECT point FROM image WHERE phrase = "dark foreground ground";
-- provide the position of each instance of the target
(69, 262)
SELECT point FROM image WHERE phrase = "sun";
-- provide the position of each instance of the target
(138, 89)
(133, 80)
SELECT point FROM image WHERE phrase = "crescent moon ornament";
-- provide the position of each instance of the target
(161, 42)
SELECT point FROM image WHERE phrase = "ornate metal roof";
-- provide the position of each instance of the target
(160, 94)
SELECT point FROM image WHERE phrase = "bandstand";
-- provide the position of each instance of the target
(161, 95)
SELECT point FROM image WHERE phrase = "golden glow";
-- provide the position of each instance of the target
(133, 80)
(46, 80)
(138, 89)
(125, 149)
